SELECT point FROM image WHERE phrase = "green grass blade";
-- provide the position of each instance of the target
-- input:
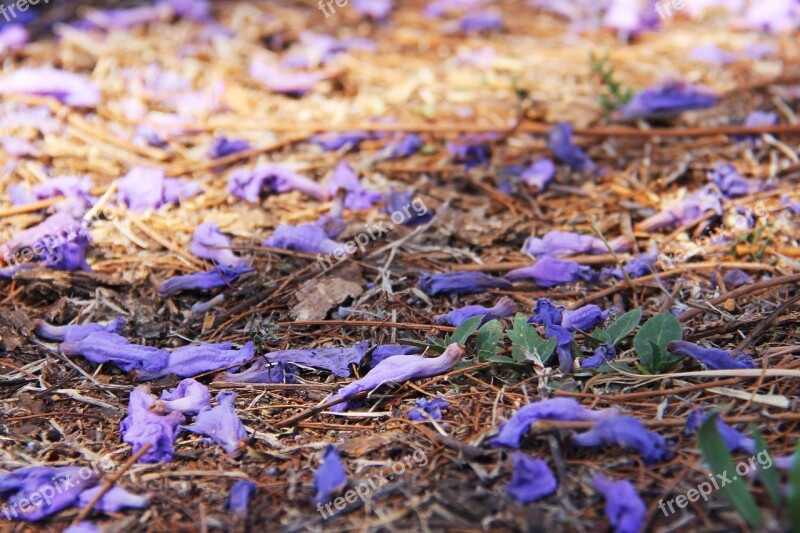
(794, 493)
(768, 475)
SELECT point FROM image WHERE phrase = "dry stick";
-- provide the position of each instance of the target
(29, 208)
(109, 482)
(366, 323)
(759, 329)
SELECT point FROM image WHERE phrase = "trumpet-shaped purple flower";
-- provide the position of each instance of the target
(219, 277)
(531, 479)
(356, 196)
(260, 372)
(478, 21)
(665, 100)
(399, 369)
(731, 184)
(413, 213)
(686, 211)
(428, 408)
(223, 147)
(69, 187)
(736, 278)
(336, 141)
(39, 491)
(104, 347)
(734, 440)
(406, 146)
(222, 425)
(504, 308)
(147, 188)
(385, 351)
(239, 497)
(563, 347)
(460, 283)
(713, 358)
(192, 360)
(282, 81)
(67, 87)
(475, 152)
(336, 360)
(74, 332)
(208, 242)
(639, 266)
(115, 500)
(307, 238)
(602, 355)
(373, 9)
(549, 272)
(189, 397)
(627, 432)
(584, 318)
(563, 409)
(144, 426)
(539, 174)
(330, 477)
(568, 243)
(47, 236)
(559, 140)
(546, 313)
(248, 184)
(624, 507)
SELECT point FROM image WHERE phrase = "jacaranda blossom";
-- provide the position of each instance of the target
(143, 425)
(731, 184)
(69, 187)
(428, 408)
(114, 500)
(145, 188)
(330, 477)
(260, 372)
(208, 242)
(624, 507)
(713, 358)
(306, 238)
(686, 211)
(539, 174)
(475, 151)
(336, 360)
(223, 147)
(478, 21)
(667, 99)
(220, 276)
(584, 318)
(104, 347)
(602, 355)
(222, 425)
(734, 440)
(560, 142)
(564, 340)
(546, 312)
(67, 87)
(549, 272)
(568, 243)
(336, 141)
(239, 497)
(192, 360)
(531, 479)
(356, 195)
(56, 488)
(249, 184)
(283, 81)
(189, 397)
(627, 432)
(460, 283)
(74, 332)
(384, 351)
(503, 308)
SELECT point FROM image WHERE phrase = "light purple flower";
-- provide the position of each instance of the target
(124, 18)
(356, 196)
(104, 347)
(318, 49)
(773, 16)
(630, 17)
(428, 408)
(503, 308)
(222, 425)
(115, 500)
(437, 8)
(74, 332)
(539, 174)
(627, 432)
(336, 141)
(69, 187)
(219, 277)
(189, 397)
(143, 425)
(731, 184)
(584, 318)
(761, 118)
(197, 10)
(406, 146)
(222, 147)
(67, 87)
(399, 369)
(63, 486)
(307, 238)
(602, 355)
(208, 242)
(374, 9)
(559, 140)
(793, 206)
(248, 184)
(478, 21)
(282, 81)
(55, 229)
(639, 266)
(734, 440)
(460, 283)
(686, 211)
(384, 351)
(624, 507)
(12, 36)
(145, 188)
(713, 358)
(194, 359)
(736, 278)
(531, 479)
(667, 99)
(17, 147)
(260, 372)
(239, 497)
(336, 360)
(549, 272)
(330, 477)
(558, 243)
(562, 409)
(83, 527)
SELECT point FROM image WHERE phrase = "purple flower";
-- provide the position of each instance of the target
(563, 347)
(475, 152)
(104, 347)
(124, 18)
(260, 372)
(336, 141)
(374, 9)
(627, 432)
(197, 359)
(760, 118)
(478, 21)
(222, 425)
(114, 501)
(239, 497)
(773, 16)
(143, 425)
(504, 308)
(624, 507)
(145, 188)
(562, 409)
(197, 10)
(384, 351)
(399, 369)
(637, 267)
(74, 332)
(546, 313)
(189, 397)
(330, 477)
(559, 140)
(731, 184)
(69, 187)
(630, 17)
(539, 174)
(356, 196)
(336, 360)
(549, 272)
(219, 277)
(17, 147)
(734, 440)
(12, 36)
(584, 318)
(567, 243)
(667, 99)
(793, 206)
(307, 238)
(222, 147)
(736, 278)
(713, 358)
(281, 81)
(248, 184)
(426, 409)
(686, 211)
(460, 283)
(531, 479)
(602, 355)
(318, 49)
(406, 146)
(54, 231)
(414, 213)
(208, 242)
(83, 527)
(437, 8)
(39, 491)
(67, 87)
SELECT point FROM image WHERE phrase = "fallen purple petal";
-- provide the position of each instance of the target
(114, 501)
(193, 360)
(713, 358)
(625, 509)
(330, 477)
(189, 398)
(75, 332)
(460, 283)
(239, 498)
(67, 87)
(626, 432)
(549, 272)
(584, 318)
(144, 426)
(559, 140)
(428, 409)
(531, 479)
(222, 425)
(221, 276)
(102, 347)
(503, 308)
(336, 360)
(667, 99)
(260, 372)
(208, 242)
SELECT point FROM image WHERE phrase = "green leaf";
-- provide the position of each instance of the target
(462, 332)
(489, 337)
(598, 337)
(658, 331)
(719, 459)
(434, 345)
(526, 344)
(623, 325)
(768, 476)
(794, 493)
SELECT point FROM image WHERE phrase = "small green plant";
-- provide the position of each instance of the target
(651, 342)
(527, 344)
(616, 94)
(490, 340)
(618, 330)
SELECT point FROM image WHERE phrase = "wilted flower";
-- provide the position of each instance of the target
(143, 425)
(686, 211)
(336, 360)
(414, 213)
(189, 397)
(584, 318)
(74, 332)
(356, 196)
(478, 21)
(282, 81)
(336, 141)
(475, 152)
(330, 477)
(83, 527)
(208, 242)
(123, 18)
(539, 174)
(667, 99)
(713, 358)
(145, 188)
(239, 497)
(734, 440)
(568, 243)
(69, 187)
(197, 10)
(624, 507)
(307, 238)
(67, 87)
(736, 278)
(428, 408)
(563, 347)
(602, 355)
(222, 425)
(384, 351)
(460, 283)
(560, 142)
(503, 308)
(406, 146)
(531, 479)
(731, 184)
(627, 432)
(260, 372)
(545, 313)
(549, 272)
(104, 347)
(248, 184)
(56, 488)
(222, 147)
(47, 236)
(13, 36)
(197, 359)
(639, 266)
(114, 500)
(630, 17)
(219, 277)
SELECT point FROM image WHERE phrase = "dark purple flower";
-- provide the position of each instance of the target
(307, 238)
(549, 272)
(114, 501)
(734, 440)
(584, 318)
(143, 425)
(222, 425)
(249, 183)
(189, 397)
(428, 408)
(531, 479)
(731, 184)
(639, 266)
(373, 9)
(39, 491)
(219, 277)
(239, 497)
(504, 308)
(686, 211)
(222, 147)
(665, 100)
(195, 359)
(713, 358)
(627, 432)
(330, 477)
(624, 507)
(736, 278)
(563, 347)
(74, 332)
(67, 87)
(356, 196)
(282, 81)
(69, 187)
(460, 283)
(567, 243)
(69, 256)
(399, 369)
(539, 174)
(563, 409)
(336, 360)
(602, 355)
(336, 141)
(260, 372)
(559, 140)
(406, 146)
(545, 313)
(208, 242)
(414, 212)
(478, 21)
(384, 351)
(474, 152)
(145, 188)
(104, 347)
